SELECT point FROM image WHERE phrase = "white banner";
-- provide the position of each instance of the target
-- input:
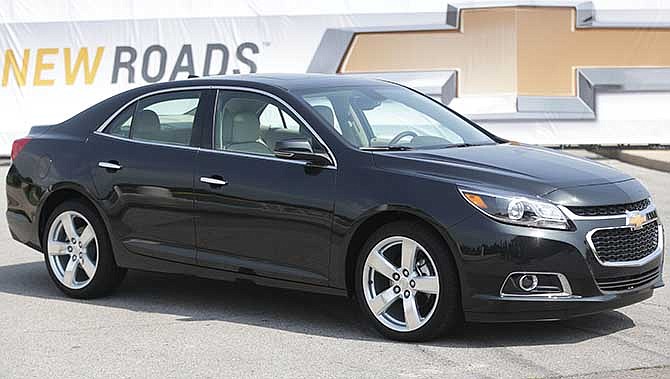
(59, 57)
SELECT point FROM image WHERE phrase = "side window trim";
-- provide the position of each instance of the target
(291, 111)
(116, 117)
(144, 142)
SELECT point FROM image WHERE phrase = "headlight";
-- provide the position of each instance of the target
(517, 210)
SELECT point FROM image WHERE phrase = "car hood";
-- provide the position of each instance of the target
(520, 168)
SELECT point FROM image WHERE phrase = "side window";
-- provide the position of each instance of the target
(165, 118)
(252, 123)
(351, 127)
(324, 107)
(274, 118)
(290, 122)
(120, 127)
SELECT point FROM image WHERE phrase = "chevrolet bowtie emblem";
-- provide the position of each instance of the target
(551, 59)
(635, 220)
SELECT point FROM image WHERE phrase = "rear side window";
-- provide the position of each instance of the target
(120, 127)
(166, 118)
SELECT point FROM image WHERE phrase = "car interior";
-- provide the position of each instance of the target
(160, 121)
(252, 125)
(371, 119)
(172, 129)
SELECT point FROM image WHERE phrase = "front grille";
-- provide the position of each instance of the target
(610, 210)
(625, 244)
(627, 283)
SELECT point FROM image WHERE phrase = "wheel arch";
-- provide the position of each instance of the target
(380, 217)
(59, 194)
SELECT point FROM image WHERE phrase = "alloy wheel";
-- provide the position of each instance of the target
(401, 284)
(72, 249)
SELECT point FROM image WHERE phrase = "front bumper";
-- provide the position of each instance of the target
(489, 251)
(507, 309)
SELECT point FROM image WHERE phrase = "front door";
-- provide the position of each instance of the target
(256, 213)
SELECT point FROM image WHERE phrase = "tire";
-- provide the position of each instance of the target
(430, 294)
(85, 268)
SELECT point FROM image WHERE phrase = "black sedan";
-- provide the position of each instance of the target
(337, 185)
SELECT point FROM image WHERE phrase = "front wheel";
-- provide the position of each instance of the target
(78, 252)
(407, 283)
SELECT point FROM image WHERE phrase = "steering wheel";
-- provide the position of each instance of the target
(401, 135)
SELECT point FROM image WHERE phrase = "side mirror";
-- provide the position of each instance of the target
(300, 149)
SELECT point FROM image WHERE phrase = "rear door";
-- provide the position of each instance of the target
(256, 213)
(143, 173)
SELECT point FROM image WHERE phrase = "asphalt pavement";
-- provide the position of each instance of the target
(174, 326)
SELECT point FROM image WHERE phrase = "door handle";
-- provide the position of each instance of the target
(110, 165)
(216, 182)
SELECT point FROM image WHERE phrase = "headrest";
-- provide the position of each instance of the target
(146, 124)
(246, 128)
(326, 113)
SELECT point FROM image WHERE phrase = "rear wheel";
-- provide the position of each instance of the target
(78, 252)
(407, 283)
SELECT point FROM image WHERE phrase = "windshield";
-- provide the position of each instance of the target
(392, 116)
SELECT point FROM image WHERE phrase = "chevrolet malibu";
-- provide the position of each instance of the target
(336, 185)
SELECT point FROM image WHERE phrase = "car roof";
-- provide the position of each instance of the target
(289, 82)
(97, 113)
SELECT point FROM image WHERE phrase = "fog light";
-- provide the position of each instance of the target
(528, 282)
(548, 284)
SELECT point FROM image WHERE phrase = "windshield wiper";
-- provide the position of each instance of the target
(447, 146)
(386, 148)
(405, 148)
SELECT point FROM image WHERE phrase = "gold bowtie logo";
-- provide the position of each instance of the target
(635, 220)
(527, 51)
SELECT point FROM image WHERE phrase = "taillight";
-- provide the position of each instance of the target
(18, 145)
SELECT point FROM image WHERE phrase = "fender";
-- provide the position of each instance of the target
(441, 229)
(342, 258)
(70, 186)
